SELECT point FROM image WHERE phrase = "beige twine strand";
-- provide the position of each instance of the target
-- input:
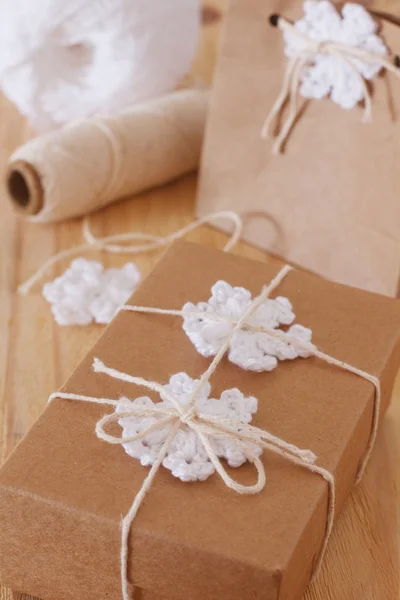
(152, 242)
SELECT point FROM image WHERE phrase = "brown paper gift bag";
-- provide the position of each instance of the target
(332, 198)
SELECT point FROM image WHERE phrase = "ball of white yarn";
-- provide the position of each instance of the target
(64, 60)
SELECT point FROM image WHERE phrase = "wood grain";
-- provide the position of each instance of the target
(36, 356)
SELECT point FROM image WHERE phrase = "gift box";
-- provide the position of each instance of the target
(63, 491)
(329, 201)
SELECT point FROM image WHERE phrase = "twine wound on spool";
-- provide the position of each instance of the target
(90, 163)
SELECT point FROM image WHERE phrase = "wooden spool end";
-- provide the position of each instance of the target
(24, 188)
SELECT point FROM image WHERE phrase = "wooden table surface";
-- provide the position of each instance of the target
(36, 355)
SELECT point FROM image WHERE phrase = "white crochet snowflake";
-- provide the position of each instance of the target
(331, 75)
(207, 324)
(186, 458)
(87, 292)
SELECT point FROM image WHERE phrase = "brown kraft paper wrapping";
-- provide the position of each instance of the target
(63, 491)
(332, 198)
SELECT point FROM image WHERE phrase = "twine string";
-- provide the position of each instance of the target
(294, 68)
(151, 242)
(282, 97)
(170, 418)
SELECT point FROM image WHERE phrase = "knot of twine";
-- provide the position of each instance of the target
(292, 77)
(187, 417)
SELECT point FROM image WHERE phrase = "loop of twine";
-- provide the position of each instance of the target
(205, 426)
(292, 78)
(151, 242)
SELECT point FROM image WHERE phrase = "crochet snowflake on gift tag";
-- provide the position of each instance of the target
(207, 324)
(331, 75)
(186, 457)
(87, 292)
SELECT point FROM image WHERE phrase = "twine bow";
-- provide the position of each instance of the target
(292, 77)
(205, 426)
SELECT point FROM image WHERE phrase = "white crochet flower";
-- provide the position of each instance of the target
(186, 458)
(86, 292)
(207, 324)
(331, 75)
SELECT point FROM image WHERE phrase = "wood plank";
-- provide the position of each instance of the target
(36, 355)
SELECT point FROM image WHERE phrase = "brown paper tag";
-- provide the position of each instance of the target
(332, 199)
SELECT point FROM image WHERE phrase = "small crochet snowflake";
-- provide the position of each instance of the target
(86, 292)
(207, 324)
(332, 75)
(187, 458)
